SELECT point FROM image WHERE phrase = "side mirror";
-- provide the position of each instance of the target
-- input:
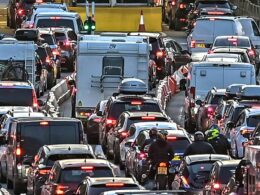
(198, 102)
(99, 113)
(40, 103)
(230, 124)
(218, 117)
(183, 84)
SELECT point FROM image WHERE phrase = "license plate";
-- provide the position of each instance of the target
(201, 45)
(162, 171)
(176, 158)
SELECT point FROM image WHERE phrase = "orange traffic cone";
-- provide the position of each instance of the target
(141, 24)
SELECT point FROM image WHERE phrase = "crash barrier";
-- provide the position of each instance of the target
(248, 8)
(124, 19)
(57, 95)
(170, 86)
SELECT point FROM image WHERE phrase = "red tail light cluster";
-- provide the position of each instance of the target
(18, 152)
(193, 44)
(251, 53)
(142, 156)
(61, 189)
(20, 12)
(160, 54)
(110, 122)
(182, 6)
(210, 112)
(35, 101)
(217, 186)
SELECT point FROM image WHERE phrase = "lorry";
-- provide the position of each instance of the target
(102, 62)
(17, 61)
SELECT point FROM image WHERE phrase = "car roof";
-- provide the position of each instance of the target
(218, 91)
(212, 0)
(15, 84)
(58, 14)
(83, 162)
(104, 180)
(39, 119)
(140, 114)
(253, 111)
(227, 163)
(205, 157)
(232, 18)
(232, 36)
(210, 64)
(59, 29)
(177, 133)
(48, 9)
(16, 109)
(130, 97)
(27, 114)
(65, 148)
(159, 125)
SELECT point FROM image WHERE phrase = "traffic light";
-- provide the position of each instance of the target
(89, 25)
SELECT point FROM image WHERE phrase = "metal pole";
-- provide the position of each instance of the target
(93, 8)
(87, 9)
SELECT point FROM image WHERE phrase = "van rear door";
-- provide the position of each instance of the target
(238, 74)
(206, 78)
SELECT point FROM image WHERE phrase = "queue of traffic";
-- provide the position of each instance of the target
(114, 107)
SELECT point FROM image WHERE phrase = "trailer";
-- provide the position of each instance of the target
(102, 62)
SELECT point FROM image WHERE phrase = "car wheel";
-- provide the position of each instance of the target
(18, 188)
(2, 178)
(116, 155)
(50, 80)
(9, 184)
(127, 173)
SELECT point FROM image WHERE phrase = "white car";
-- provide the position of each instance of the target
(244, 126)
(134, 131)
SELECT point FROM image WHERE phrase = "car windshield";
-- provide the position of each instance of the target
(47, 39)
(51, 159)
(216, 4)
(36, 135)
(119, 107)
(253, 120)
(9, 96)
(77, 174)
(208, 27)
(46, 23)
(232, 42)
(225, 174)
(98, 189)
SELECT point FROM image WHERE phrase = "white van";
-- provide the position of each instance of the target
(203, 76)
(57, 19)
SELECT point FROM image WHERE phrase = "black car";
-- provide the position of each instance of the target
(158, 53)
(45, 158)
(194, 170)
(119, 103)
(93, 122)
(121, 130)
(28, 135)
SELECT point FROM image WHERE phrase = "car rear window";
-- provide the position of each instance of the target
(60, 36)
(179, 144)
(232, 42)
(118, 107)
(77, 174)
(201, 171)
(216, 4)
(33, 136)
(51, 159)
(98, 189)
(216, 99)
(46, 23)
(47, 39)
(225, 174)
(214, 27)
(9, 96)
(253, 120)
(132, 120)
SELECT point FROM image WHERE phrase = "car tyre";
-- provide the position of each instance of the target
(18, 188)
(2, 178)
(116, 155)
(50, 80)
(9, 184)
(127, 173)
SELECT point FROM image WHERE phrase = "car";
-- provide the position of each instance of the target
(225, 57)
(207, 108)
(238, 42)
(194, 171)
(45, 159)
(66, 175)
(51, 5)
(29, 20)
(205, 31)
(95, 186)
(220, 175)
(10, 90)
(5, 122)
(158, 53)
(134, 131)
(93, 122)
(121, 102)
(241, 130)
(147, 192)
(116, 134)
(176, 13)
(238, 51)
(136, 161)
(57, 19)
(46, 56)
(176, 54)
(32, 133)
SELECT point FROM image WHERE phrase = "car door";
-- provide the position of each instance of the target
(181, 57)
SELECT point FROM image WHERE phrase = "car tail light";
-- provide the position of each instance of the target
(162, 164)
(142, 156)
(148, 117)
(55, 52)
(192, 92)
(212, 19)
(18, 151)
(193, 44)
(97, 120)
(182, 6)
(87, 114)
(171, 138)
(20, 12)
(185, 182)
(35, 101)
(115, 184)
(55, 18)
(160, 54)
(210, 51)
(67, 43)
(136, 103)
(61, 189)
(216, 186)
(232, 39)
(173, 3)
(182, 20)
(30, 25)
(215, 13)
(110, 122)
(87, 168)
(251, 53)
(44, 171)
(124, 134)
(210, 112)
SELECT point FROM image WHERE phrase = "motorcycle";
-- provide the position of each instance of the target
(161, 176)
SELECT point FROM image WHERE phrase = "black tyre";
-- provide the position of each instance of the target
(18, 188)
(9, 184)
(121, 164)
(50, 80)
(161, 182)
(127, 174)
(2, 178)
(116, 155)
